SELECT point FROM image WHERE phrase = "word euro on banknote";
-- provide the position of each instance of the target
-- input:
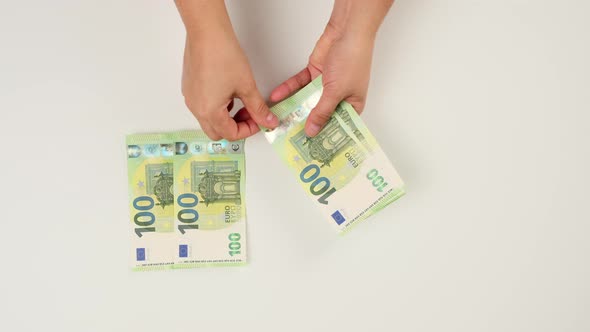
(151, 200)
(210, 214)
(343, 168)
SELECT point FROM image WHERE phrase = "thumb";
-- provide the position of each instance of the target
(258, 110)
(320, 115)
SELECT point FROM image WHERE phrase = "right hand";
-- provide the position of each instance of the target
(215, 72)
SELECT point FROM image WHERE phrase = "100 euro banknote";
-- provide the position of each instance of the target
(151, 200)
(343, 168)
(210, 212)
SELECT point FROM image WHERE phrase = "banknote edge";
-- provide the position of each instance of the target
(167, 266)
(177, 266)
(198, 135)
(287, 106)
(148, 138)
(398, 194)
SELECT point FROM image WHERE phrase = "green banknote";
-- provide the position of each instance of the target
(343, 168)
(151, 200)
(210, 212)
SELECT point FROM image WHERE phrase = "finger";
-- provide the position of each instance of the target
(320, 115)
(358, 103)
(291, 85)
(203, 122)
(209, 131)
(258, 109)
(229, 129)
(242, 116)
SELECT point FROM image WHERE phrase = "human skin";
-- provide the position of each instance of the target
(216, 71)
(343, 55)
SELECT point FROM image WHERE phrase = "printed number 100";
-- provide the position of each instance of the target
(319, 185)
(144, 217)
(234, 244)
(377, 180)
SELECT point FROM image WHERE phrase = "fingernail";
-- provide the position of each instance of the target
(272, 119)
(314, 129)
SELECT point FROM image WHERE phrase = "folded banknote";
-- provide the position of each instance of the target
(343, 169)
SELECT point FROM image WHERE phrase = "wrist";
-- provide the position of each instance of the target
(358, 18)
(204, 18)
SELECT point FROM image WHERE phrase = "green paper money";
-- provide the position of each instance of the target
(343, 168)
(210, 212)
(151, 200)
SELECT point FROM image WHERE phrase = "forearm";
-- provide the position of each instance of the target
(359, 17)
(204, 17)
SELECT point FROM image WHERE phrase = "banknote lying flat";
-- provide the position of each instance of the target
(209, 185)
(186, 197)
(343, 168)
(150, 161)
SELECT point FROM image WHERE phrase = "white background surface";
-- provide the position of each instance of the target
(483, 106)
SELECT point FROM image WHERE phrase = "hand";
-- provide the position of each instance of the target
(215, 72)
(345, 63)
(343, 55)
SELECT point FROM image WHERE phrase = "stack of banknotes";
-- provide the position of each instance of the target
(186, 196)
(186, 192)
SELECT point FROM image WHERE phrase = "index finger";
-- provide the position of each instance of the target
(229, 129)
(291, 85)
